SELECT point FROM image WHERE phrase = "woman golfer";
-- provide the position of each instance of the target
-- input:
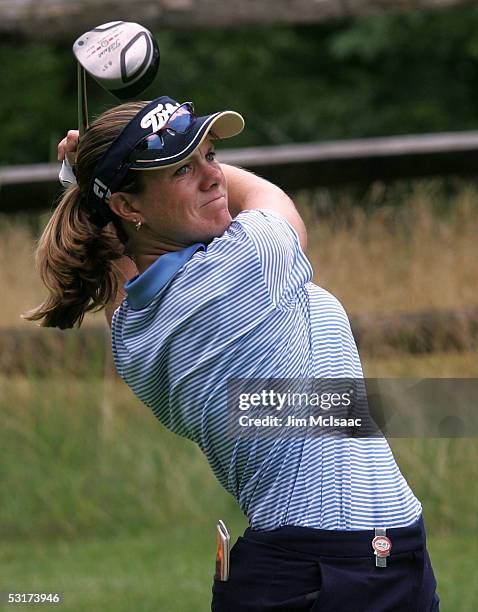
(221, 290)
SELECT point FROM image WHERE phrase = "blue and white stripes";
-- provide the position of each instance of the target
(245, 308)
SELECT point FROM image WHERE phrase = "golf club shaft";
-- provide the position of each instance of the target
(82, 101)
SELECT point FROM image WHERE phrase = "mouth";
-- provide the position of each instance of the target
(217, 200)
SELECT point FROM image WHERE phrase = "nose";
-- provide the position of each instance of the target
(210, 175)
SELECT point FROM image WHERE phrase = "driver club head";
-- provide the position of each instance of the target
(123, 57)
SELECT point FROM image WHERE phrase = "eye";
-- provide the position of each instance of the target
(211, 155)
(182, 171)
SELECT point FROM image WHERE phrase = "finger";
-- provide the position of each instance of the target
(71, 145)
(72, 138)
(68, 146)
(62, 149)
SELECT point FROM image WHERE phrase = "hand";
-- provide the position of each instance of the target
(69, 146)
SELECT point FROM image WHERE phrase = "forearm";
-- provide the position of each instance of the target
(247, 191)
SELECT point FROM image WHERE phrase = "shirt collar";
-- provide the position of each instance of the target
(143, 288)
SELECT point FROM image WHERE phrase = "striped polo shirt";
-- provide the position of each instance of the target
(242, 307)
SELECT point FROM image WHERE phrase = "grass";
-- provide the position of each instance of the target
(84, 457)
(416, 250)
(168, 570)
(171, 570)
(101, 503)
(428, 365)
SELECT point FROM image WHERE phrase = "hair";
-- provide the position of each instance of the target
(74, 256)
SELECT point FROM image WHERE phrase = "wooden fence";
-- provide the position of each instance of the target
(292, 166)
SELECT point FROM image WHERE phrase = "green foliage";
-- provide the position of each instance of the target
(415, 72)
(36, 103)
(379, 75)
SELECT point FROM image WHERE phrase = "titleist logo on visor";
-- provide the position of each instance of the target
(158, 117)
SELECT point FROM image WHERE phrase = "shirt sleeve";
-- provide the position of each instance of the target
(285, 268)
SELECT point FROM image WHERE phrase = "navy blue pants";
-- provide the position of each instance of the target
(297, 568)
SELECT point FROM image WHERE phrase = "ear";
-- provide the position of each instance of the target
(125, 206)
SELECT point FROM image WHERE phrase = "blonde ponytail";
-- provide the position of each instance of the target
(74, 256)
(74, 261)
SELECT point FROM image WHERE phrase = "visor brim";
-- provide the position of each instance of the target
(225, 124)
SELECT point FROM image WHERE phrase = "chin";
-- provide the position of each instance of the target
(218, 224)
(217, 231)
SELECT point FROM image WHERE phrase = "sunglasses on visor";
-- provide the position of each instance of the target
(180, 122)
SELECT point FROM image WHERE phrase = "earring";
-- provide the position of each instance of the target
(138, 225)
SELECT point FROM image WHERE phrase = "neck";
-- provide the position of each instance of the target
(145, 260)
(145, 253)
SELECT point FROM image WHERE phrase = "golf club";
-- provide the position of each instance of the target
(123, 57)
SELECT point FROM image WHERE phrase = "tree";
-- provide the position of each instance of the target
(362, 77)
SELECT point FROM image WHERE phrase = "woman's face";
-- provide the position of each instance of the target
(186, 203)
